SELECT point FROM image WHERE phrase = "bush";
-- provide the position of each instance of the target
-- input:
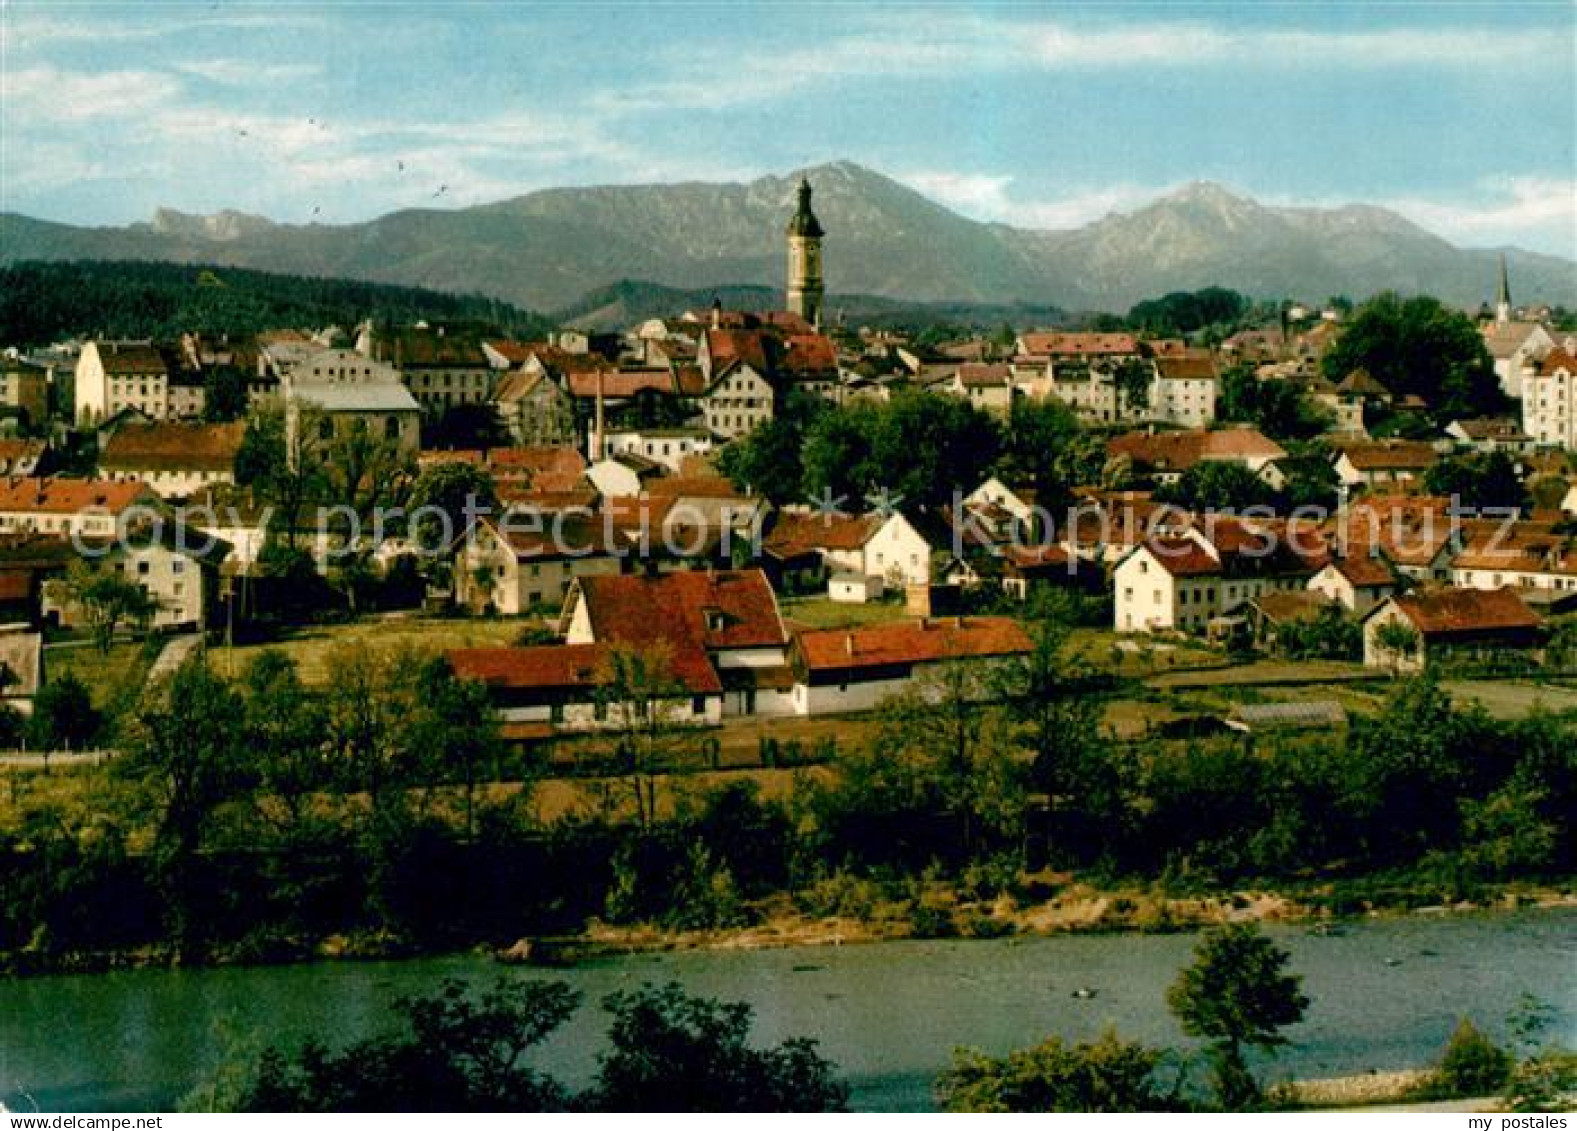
(1472, 1065)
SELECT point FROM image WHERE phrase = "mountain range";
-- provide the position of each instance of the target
(555, 249)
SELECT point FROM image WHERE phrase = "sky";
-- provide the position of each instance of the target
(1462, 117)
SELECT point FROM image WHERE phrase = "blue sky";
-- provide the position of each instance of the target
(1462, 117)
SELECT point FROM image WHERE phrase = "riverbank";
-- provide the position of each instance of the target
(936, 911)
(940, 914)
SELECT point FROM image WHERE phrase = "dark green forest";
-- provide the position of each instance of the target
(45, 302)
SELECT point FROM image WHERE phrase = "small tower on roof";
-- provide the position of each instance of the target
(1503, 299)
(805, 288)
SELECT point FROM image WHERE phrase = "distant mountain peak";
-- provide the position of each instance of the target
(225, 226)
(1205, 192)
(549, 248)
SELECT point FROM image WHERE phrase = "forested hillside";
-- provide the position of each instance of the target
(45, 302)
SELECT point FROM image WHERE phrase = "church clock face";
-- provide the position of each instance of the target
(812, 261)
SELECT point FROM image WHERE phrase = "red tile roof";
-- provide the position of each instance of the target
(548, 468)
(1186, 367)
(714, 609)
(1078, 345)
(985, 375)
(132, 360)
(808, 355)
(516, 353)
(729, 347)
(904, 643)
(1446, 612)
(619, 384)
(1183, 557)
(1391, 455)
(169, 445)
(1178, 451)
(1558, 358)
(796, 533)
(1364, 570)
(71, 496)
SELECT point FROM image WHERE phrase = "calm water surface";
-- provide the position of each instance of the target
(1386, 994)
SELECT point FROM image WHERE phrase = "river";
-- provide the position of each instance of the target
(1386, 993)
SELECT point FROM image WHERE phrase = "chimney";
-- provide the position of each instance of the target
(598, 451)
(717, 314)
(848, 644)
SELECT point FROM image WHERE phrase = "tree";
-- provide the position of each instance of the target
(918, 447)
(452, 493)
(1217, 485)
(472, 426)
(63, 715)
(1133, 378)
(640, 697)
(456, 730)
(224, 394)
(1417, 346)
(457, 1053)
(770, 460)
(105, 598)
(1237, 994)
(1275, 407)
(185, 748)
(1105, 1075)
(1037, 439)
(673, 1052)
(1484, 481)
(1472, 1065)
(285, 735)
(945, 744)
(1051, 696)
(1398, 640)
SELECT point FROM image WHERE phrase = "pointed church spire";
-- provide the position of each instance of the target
(1503, 299)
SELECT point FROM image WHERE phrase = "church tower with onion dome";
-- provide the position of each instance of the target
(805, 288)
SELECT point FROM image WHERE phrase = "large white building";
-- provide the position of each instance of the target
(1549, 400)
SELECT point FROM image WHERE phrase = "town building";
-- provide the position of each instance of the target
(725, 622)
(856, 669)
(24, 390)
(806, 291)
(525, 562)
(156, 380)
(1549, 400)
(73, 507)
(1163, 457)
(889, 546)
(175, 458)
(1439, 623)
(1184, 582)
(1376, 464)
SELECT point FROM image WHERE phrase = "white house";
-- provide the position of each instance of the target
(725, 621)
(520, 563)
(1183, 582)
(1358, 583)
(889, 547)
(1549, 400)
(178, 569)
(855, 669)
(669, 447)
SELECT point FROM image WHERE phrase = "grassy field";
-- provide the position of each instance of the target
(310, 647)
(819, 612)
(1513, 699)
(106, 675)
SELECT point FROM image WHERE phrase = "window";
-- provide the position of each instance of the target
(698, 704)
(142, 568)
(556, 713)
(178, 565)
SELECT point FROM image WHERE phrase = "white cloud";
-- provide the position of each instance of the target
(952, 44)
(43, 93)
(982, 196)
(1541, 211)
(242, 72)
